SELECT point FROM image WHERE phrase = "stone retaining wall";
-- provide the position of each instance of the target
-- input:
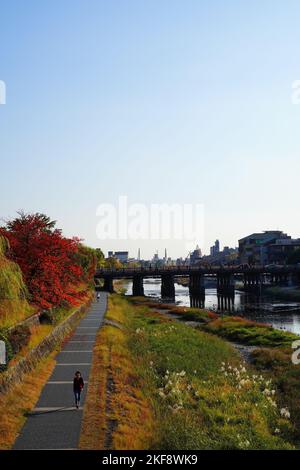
(30, 321)
(16, 373)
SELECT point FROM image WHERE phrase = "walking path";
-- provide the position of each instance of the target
(55, 423)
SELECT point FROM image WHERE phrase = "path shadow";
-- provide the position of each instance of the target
(56, 410)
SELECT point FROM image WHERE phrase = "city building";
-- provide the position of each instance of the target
(269, 247)
(227, 256)
(196, 256)
(122, 256)
(215, 249)
(281, 251)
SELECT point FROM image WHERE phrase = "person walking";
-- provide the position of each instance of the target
(98, 296)
(78, 385)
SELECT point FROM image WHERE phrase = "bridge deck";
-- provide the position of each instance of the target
(193, 270)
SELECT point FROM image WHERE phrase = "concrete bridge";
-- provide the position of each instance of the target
(253, 276)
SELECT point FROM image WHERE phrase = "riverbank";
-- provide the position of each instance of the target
(284, 293)
(244, 303)
(173, 386)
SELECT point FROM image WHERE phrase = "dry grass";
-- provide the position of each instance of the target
(129, 407)
(117, 415)
(94, 420)
(37, 334)
(20, 399)
(14, 311)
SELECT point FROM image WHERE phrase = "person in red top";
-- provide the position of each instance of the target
(78, 385)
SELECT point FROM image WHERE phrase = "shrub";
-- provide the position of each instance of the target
(46, 317)
(19, 337)
(13, 304)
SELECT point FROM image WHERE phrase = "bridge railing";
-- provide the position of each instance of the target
(236, 269)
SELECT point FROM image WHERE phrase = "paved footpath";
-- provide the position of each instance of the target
(55, 423)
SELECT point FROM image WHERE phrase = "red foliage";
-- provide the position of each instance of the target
(48, 260)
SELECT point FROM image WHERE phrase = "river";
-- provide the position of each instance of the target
(243, 304)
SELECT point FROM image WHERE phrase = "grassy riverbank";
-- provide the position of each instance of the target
(250, 332)
(284, 293)
(170, 386)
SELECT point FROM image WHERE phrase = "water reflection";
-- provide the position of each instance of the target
(248, 305)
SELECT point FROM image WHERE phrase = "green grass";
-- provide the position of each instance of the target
(185, 313)
(249, 332)
(234, 329)
(277, 364)
(194, 314)
(285, 293)
(202, 395)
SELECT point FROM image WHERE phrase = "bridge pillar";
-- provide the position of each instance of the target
(225, 282)
(196, 284)
(197, 300)
(167, 286)
(138, 286)
(226, 302)
(108, 284)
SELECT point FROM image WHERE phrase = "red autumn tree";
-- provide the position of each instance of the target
(49, 261)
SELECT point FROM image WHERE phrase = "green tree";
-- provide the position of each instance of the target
(100, 258)
(113, 263)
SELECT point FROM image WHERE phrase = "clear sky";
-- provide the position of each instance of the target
(165, 101)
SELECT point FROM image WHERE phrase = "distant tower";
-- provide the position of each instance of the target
(139, 255)
(166, 256)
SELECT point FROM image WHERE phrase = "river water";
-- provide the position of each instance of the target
(244, 304)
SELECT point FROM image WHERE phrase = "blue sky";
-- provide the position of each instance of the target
(163, 101)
